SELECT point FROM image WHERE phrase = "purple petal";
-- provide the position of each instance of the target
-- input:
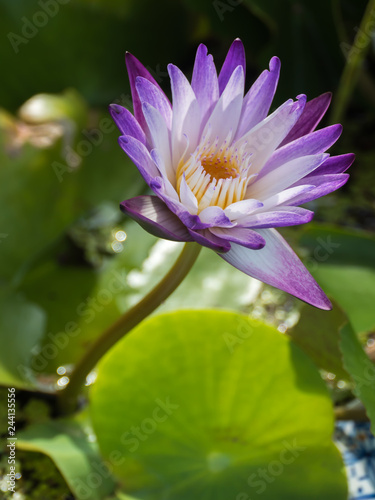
(258, 100)
(284, 197)
(310, 118)
(158, 185)
(276, 264)
(285, 176)
(135, 68)
(262, 140)
(204, 82)
(209, 240)
(235, 57)
(159, 137)
(226, 114)
(323, 184)
(240, 208)
(187, 197)
(241, 236)
(126, 123)
(334, 165)
(186, 114)
(310, 144)
(139, 154)
(215, 217)
(152, 214)
(281, 217)
(150, 93)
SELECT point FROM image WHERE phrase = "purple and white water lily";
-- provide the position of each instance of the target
(224, 173)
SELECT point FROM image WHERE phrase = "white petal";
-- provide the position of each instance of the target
(284, 176)
(282, 197)
(186, 114)
(226, 114)
(187, 197)
(159, 137)
(241, 208)
(263, 139)
(277, 265)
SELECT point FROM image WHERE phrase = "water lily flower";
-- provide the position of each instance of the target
(224, 172)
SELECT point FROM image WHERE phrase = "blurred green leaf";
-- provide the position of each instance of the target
(343, 263)
(220, 398)
(22, 326)
(303, 35)
(38, 206)
(55, 107)
(81, 302)
(106, 173)
(67, 443)
(361, 369)
(317, 334)
(96, 35)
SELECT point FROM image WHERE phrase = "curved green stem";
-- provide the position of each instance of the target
(68, 397)
(354, 61)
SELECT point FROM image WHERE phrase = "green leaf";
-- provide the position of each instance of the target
(213, 405)
(39, 207)
(22, 326)
(361, 369)
(343, 263)
(304, 37)
(68, 444)
(81, 302)
(317, 333)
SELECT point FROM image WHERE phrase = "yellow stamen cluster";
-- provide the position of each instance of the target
(217, 175)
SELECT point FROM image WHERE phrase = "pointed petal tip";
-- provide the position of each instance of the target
(274, 63)
(202, 48)
(327, 96)
(322, 302)
(123, 139)
(350, 157)
(238, 41)
(115, 108)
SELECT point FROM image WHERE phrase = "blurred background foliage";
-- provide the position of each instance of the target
(70, 263)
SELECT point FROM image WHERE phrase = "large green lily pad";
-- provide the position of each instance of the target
(213, 405)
